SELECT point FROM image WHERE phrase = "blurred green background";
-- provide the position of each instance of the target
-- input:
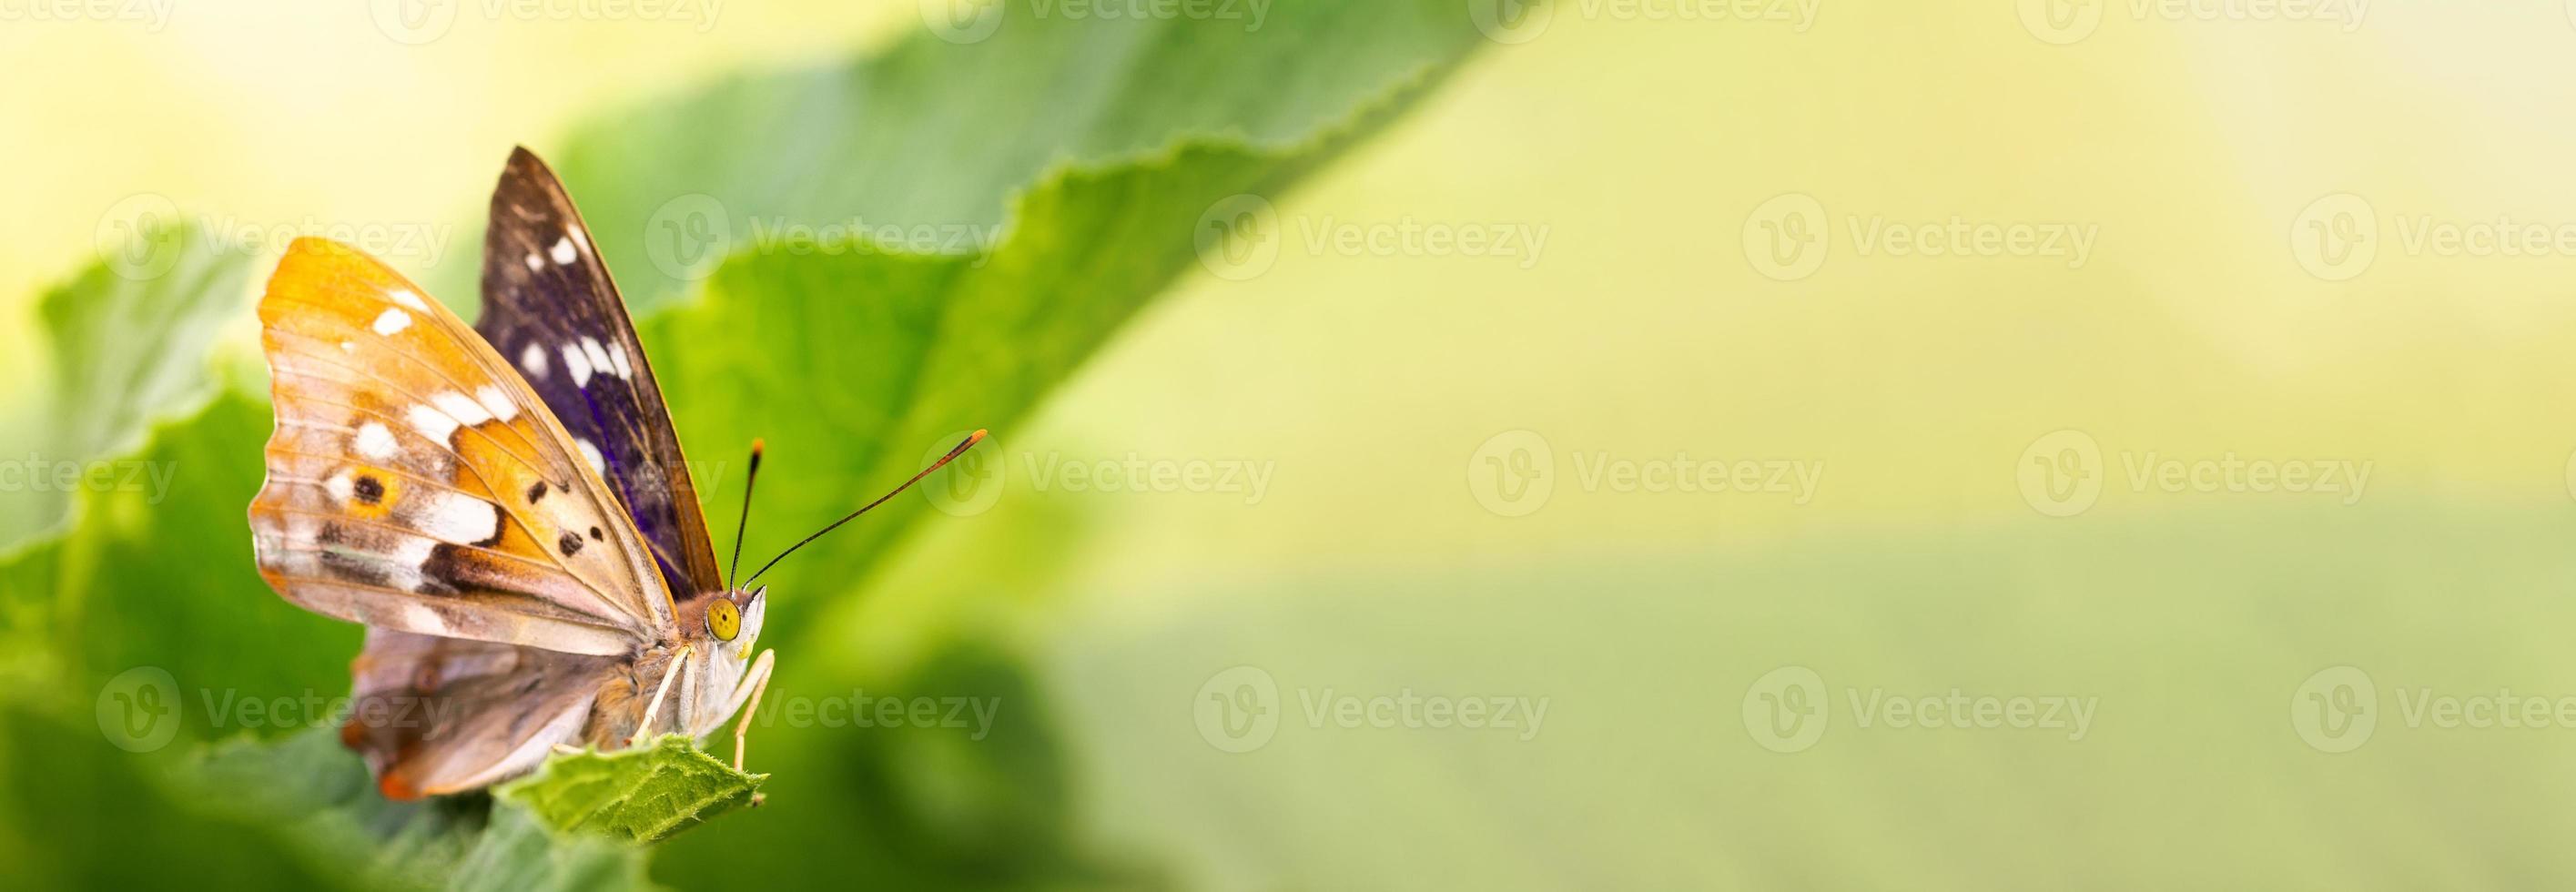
(2025, 315)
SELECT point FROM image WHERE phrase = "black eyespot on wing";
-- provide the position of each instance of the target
(594, 534)
(369, 489)
(570, 545)
(536, 491)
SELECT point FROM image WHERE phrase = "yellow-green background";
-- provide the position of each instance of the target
(1642, 330)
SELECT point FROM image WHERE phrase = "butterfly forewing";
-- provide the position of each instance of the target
(415, 483)
(550, 310)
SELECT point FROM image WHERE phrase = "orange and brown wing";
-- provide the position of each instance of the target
(415, 483)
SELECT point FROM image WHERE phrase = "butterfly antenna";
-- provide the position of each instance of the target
(971, 440)
(747, 480)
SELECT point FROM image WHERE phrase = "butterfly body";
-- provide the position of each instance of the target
(505, 507)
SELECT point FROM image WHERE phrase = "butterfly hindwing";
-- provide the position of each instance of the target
(415, 484)
(436, 715)
(550, 309)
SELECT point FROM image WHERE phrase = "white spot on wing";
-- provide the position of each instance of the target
(405, 297)
(402, 565)
(340, 486)
(580, 366)
(578, 237)
(466, 410)
(375, 442)
(458, 518)
(496, 402)
(598, 357)
(562, 251)
(534, 262)
(393, 320)
(590, 453)
(432, 423)
(617, 356)
(533, 361)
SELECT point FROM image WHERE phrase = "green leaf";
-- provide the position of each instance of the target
(130, 336)
(159, 574)
(314, 794)
(643, 794)
(934, 135)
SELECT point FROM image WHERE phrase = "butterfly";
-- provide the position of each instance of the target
(504, 506)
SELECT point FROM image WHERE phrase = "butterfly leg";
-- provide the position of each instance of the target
(756, 682)
(655, 708)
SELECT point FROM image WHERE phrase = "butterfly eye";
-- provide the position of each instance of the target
(723, 621)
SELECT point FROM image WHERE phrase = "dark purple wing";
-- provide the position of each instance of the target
(550, 309)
